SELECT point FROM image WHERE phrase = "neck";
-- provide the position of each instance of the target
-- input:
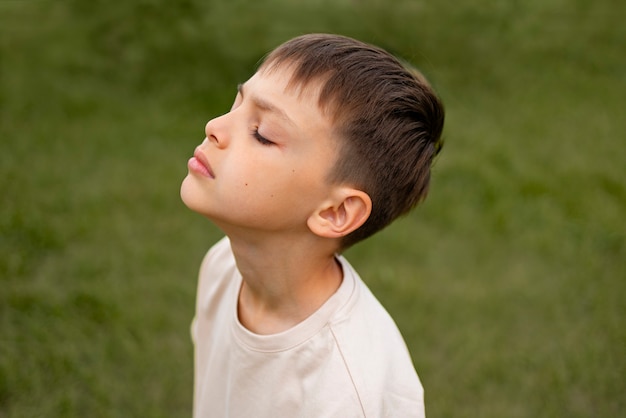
(284, 281)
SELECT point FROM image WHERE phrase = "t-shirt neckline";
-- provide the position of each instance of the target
(301, 332)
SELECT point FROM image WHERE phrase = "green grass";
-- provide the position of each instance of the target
(509, 283)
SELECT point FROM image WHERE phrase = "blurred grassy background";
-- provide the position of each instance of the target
(508, 283)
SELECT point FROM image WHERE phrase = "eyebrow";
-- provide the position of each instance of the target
(266, 106)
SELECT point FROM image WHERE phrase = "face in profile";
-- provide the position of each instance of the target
(263, 164)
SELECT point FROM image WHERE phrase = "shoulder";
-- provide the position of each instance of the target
(216, 271)
(218, 261)
(376, 355)
(220, 252)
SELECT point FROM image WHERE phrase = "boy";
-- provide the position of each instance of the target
(326, 144)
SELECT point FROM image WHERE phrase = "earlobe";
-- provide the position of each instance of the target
(345, 213)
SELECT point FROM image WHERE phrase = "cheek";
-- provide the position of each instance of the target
(251, 174)
(239, 177)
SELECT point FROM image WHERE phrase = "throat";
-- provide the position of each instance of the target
(275, 308)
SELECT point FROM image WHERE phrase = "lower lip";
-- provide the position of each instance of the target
(197, 167)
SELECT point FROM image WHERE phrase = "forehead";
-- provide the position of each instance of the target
(286, 71)
(272, 88)
(277, 83)
(306, 73)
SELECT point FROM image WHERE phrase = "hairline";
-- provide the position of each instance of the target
(325, 105)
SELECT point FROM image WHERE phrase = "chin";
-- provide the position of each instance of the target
(195, 198)
(188, 195)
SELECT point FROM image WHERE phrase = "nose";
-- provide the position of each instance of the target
(217, 131)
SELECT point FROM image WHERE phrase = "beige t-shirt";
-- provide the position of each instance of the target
(347, 359)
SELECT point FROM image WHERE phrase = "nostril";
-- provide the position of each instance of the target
(216, 131)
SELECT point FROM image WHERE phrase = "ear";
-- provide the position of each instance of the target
(344, 212)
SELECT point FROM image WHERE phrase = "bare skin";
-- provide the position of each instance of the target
(282, 286)
(259, 175)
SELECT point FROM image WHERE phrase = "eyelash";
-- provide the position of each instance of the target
(262, 140)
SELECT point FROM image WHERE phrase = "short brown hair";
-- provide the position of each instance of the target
(386, 114)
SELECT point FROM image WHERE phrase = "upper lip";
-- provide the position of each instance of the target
(199, 155)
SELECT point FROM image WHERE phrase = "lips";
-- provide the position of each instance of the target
(200, 164)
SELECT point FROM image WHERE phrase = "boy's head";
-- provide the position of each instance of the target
(386, 116)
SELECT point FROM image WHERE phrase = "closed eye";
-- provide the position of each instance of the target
(262, 140)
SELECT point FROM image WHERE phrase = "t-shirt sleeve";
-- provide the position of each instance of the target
(220, 248)
(395, 405)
